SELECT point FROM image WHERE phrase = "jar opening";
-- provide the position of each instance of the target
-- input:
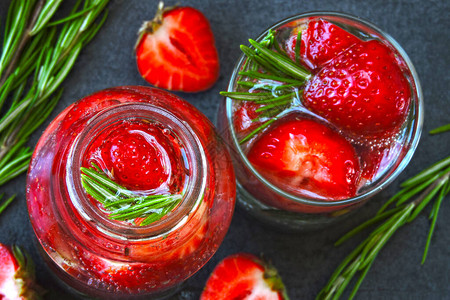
(190, 159)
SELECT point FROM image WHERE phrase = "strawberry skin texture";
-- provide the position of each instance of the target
(139, 155)
(180, 55)
(321, 42)
(243, 277)
(362, 91)
(308, 158)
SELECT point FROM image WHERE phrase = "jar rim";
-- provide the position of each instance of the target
(195, 160)
(417, 101)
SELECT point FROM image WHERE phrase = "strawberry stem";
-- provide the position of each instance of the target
(153, 25)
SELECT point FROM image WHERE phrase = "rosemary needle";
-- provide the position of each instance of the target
(271, 78)
(433, 184)
(36, 56)
(124, 204)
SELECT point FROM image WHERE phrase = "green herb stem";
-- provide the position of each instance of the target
(123, 204)
(417, 193)
(441, 129)
(34, 61)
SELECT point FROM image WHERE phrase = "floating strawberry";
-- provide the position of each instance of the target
(17, 275)
(308, 158)
(362, 91)
(321, 42)
(176, 50)
(244, 276)
(139, 156)
(244, 117)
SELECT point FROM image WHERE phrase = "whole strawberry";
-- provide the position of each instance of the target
(176, 50)
(362, 91)
(17, 278)
(321, 42)
(139, 156)
(245, 277)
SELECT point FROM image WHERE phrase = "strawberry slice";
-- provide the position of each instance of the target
(176, 50)
(244, 117)
(307, 157)
(321, 42)
(362, 91)
(17, 278)
(245, 277)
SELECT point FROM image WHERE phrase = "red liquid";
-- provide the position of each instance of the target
(378, 154)
(88, 257)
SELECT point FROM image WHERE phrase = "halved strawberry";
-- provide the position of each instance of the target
(244, 117)
(362, 91)
(321, 42)
(307, 158)
(176, 50)
(17, 278)
(245, 277)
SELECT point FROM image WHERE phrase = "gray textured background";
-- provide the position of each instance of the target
(305, 261)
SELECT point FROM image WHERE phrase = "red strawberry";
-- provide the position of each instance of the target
(321, 42)
(176, 50)
(17, 275)
(139, 155)
(244, 116)
(362, 91)
(307, 157)
(244, 277)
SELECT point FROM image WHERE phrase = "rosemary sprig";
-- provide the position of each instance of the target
(5, 203)
(35, 58)
(123, 204)
(270, 78)
(441, 129)
(406, 205)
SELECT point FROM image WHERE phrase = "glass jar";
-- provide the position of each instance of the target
(100, 257)
(278, 206)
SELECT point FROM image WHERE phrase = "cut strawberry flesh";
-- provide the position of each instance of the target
(180, 54)
(307, 158)
(8, 269)
(139, 155)
(239, 277)
(245, 116)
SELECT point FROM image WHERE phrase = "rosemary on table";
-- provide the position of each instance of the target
(272, 79)
(123, 204)
(440, 129)
(5, 203)
(430, 185)
(36, 56)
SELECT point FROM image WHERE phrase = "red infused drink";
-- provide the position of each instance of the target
(130, 192)
(323, 110)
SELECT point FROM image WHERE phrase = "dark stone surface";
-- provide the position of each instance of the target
(305, 261)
